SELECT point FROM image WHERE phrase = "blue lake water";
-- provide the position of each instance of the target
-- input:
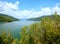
(15, 27)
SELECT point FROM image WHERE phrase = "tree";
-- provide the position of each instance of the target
(50, 31)
(24, 35)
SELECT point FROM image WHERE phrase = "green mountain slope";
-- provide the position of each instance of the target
(36, 19)
(42, 17)
(6, 18)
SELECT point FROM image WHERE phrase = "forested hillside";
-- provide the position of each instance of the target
(6, 18)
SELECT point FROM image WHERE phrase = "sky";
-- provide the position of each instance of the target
(25, 9)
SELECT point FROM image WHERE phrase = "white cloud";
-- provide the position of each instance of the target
(13, 10)
(9, 8)
(57, 9)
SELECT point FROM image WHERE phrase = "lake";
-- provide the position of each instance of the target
(15, 27)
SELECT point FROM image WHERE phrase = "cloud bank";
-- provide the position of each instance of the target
(13, 9)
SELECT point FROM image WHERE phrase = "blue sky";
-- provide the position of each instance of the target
(29, 8)
(34, 4)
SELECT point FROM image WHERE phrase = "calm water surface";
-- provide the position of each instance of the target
(15, 27)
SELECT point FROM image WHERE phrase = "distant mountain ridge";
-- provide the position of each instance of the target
(36, 19)
(42, 17)
(39, 18)
(7, 18)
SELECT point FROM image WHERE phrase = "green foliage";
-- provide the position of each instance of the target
(24, 36)
(45, 32)
(6, 38)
